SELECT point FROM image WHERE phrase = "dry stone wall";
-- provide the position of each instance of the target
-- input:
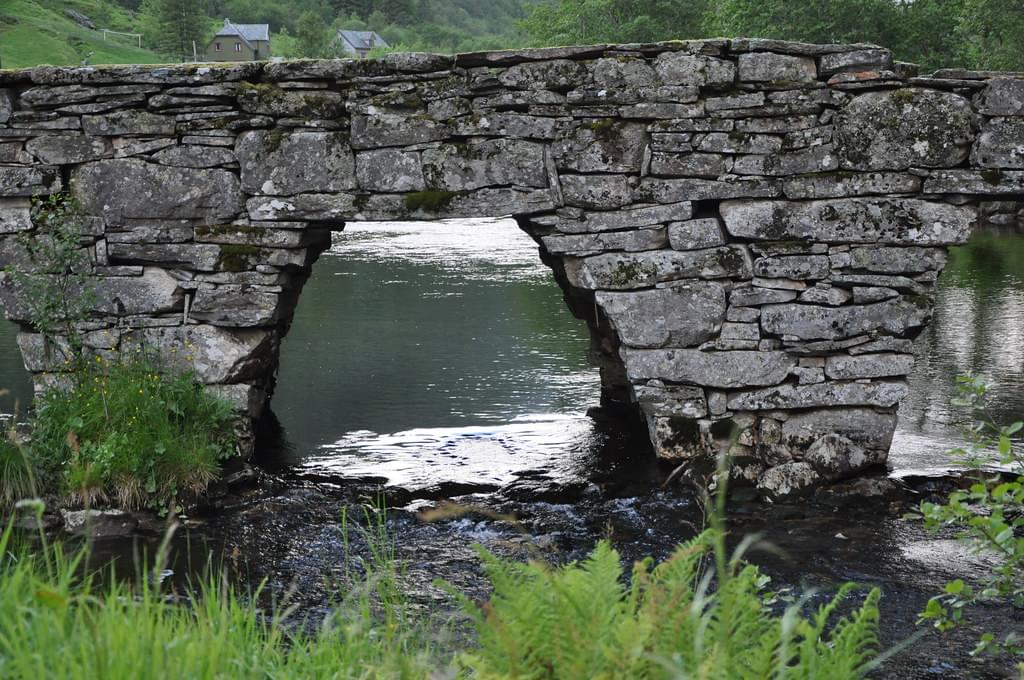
(751, 229)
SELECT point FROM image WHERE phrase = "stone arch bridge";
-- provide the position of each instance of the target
(751, 229)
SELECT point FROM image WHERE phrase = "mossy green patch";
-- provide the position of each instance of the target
(430, 201)
(238, 257)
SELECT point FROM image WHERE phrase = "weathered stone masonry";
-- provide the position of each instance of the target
(751, 229)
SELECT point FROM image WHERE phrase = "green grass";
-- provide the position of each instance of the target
(34, 32)
(16, 479)
(129, 434)
(56, 623)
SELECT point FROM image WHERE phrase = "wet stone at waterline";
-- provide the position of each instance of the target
(732, 219)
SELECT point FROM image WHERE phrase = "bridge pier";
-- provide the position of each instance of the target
(752, 230)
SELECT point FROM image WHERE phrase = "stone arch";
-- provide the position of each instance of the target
(751, 228)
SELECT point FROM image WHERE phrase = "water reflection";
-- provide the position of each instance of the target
(427, 347)
(978, 327)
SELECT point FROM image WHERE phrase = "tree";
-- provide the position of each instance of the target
(595, 21)
(172, 25)
(991, 32)
(313, 36)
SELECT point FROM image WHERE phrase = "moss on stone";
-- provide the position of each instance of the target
(264, 93)
(603, 128)
(430, 201)
(236, 257)
(626, 273)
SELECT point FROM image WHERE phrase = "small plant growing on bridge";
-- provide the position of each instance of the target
(988, 517)
(54, 283)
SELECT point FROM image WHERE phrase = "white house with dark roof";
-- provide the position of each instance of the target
(240, 42)
(359, 43)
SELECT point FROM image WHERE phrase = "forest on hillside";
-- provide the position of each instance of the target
(934, 33)
(984, 34)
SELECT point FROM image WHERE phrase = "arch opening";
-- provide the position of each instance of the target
(440, 354)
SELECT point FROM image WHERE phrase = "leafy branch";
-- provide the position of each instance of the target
(988, 517)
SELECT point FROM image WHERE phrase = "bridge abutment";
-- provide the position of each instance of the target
(752, 230)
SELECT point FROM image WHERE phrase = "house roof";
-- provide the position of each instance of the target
(247, 32)
(362, 40)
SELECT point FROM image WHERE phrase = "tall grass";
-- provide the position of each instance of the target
(56, 623)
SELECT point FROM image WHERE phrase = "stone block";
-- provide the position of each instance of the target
(678, 401)
(601, 192)
(825, 294)
(681, 315)
(793, 267)
(559, 75)
(854, 220)
(732, 142)
(866, 427)
(68, 149)
(1000, 144)
(673, 190)
(680, 68)
(625, 218)
(128, 123)
(389, 129)
(286, 163)
(389, 170)
(217, 355)
(728, 370)
(623, 271)
(696, 234)
(1002, 97)
(237, 306)
(868, 366)
(899, 129)
(195, 156)
(28, 181)
(992, 181)
(123, 189)
(788, 480)
(766, 67)
(858, 60)
(601, 145)
(15, 215)
(497, 162)
(814, 322)
(688, 164)
(634, 240)
(883, 394)
(844, 184)
(154, 292)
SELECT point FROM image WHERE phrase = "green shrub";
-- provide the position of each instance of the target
(988, 517)
(130, 434)
(584, 621)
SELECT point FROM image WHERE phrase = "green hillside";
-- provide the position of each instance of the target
(38, 32)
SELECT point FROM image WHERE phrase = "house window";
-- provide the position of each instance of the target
(216, 46)
(238, 47)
